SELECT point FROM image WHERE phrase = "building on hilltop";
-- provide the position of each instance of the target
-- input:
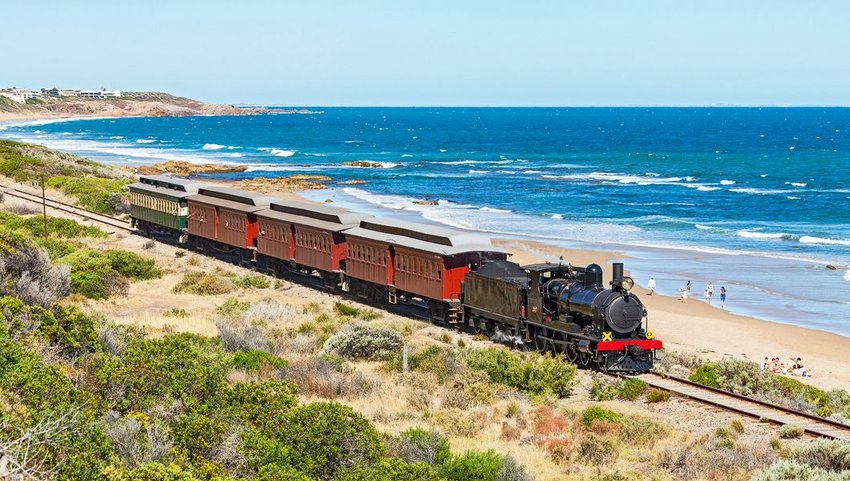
(99, 94)
(18, 95)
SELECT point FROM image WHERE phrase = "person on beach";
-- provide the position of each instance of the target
(709, 292)
(688, 288)
(723, 297)
(683, 294)
(651, 286)
(765, 364)
(798, 368)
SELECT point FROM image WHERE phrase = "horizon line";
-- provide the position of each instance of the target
(671, 106)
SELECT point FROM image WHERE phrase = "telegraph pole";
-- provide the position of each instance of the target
(44, 206)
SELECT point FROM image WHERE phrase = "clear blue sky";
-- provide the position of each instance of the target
(435, 52)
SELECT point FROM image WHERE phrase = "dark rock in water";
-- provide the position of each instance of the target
(425, 202)
(831, 267)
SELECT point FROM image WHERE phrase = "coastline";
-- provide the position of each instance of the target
(695, 327)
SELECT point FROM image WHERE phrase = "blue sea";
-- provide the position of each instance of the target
(755, 199)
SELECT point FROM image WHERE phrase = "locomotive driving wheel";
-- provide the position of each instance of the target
(537, 334)
(584, 359)
(571, 352)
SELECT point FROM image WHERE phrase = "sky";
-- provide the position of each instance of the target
(436, 52)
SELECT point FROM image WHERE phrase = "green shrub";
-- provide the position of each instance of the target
(743, 377)
(604, 390)
(789, 431)
(599, 413)
(364, 342)
(737, 426)
(251, 281)
(472, 466)
(322, 438)
(786, 470)
(638, 430)
(632, 389)
(202, 284)
(253, 359)
(832, 455)
(64, 327)
(132, 265)
(196, 434)
(278, 472)
(90, 285)
(390, 469)
(658, 395)
(534, 374)
(261, 404)
(56, 248)
(159, 472)
(437, 360)
(456, 422)
(706, 374)
(346, 310)
(232, 307)
(182, 366)
(418, 445)
(106, 196)
(597, 450)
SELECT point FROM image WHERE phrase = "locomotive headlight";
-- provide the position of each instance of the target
(627, 283)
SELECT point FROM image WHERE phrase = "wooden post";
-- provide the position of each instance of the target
(404, 359)
(44, 206)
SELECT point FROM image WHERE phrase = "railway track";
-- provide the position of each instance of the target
(743, 405)
(69, 208)
(746, 406)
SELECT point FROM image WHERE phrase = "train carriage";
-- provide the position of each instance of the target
(415, 260)
(304, 235)
(158, 204)
(226, 217)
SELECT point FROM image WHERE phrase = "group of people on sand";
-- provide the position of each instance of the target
(775, 366)
(685, 292)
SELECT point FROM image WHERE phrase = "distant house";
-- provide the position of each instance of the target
(54, 92)
(69, 93)
(18, 95)
(99, 94)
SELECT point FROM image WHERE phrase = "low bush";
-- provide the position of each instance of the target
(638, 430)
(324, 377)
(324, 438)
(132, 265)
(534, 374)
(743, 377)
(594, 413)
(260, 404)
(390, 469)
(473, 466)
(787, 470)
(202, 284)
(604, 389)
(252, 360)
(251, 281)
(26, 271)
(280, 472)
(232, 307)
(471, 389)
(706, 374)
(832, 456)
(364, 342)
(632, 389)
(657, 395)
(106, 196)
(159, 472)
(440, 361)
(598, 450)
(456, 422)
(346, 310)
(790, 431)
(418, 445)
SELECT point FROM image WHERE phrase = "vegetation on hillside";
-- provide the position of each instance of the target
(95, 186)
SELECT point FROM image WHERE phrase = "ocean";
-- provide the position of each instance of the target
(754, 199)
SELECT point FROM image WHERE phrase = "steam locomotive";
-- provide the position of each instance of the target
(460, 278)
(563, 309)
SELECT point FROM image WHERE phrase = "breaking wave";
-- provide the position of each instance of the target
(278, 152)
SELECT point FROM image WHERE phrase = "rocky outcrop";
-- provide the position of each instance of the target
(278, 184)
(184, 169)
(364, 163)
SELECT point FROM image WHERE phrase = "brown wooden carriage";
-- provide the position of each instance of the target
(226, 215)
(309, 235)
(421, 260)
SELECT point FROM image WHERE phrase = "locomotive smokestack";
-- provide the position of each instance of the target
(618, 273)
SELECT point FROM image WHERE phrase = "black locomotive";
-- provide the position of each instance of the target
(564, 309)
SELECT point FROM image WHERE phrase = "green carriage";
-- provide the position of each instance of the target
(158, 203)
